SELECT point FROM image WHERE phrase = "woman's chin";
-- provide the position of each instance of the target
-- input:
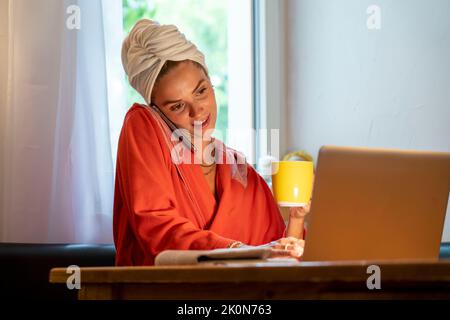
(204, 134)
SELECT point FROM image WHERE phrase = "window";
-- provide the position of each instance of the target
(269, 78)
(221, 29)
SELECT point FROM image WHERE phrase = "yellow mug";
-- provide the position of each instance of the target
(292, 182)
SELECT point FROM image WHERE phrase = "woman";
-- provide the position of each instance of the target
(190, 193)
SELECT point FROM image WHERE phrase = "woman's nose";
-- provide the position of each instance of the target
(195, 110)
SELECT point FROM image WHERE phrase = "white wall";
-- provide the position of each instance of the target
(271, 85)
(348, 85)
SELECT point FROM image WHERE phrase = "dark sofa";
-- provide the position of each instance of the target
(25, 267)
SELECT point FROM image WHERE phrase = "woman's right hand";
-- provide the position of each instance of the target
(286, 247)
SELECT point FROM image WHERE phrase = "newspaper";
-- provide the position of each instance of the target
(217, 256)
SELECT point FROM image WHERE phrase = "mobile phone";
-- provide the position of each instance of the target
(180, 133)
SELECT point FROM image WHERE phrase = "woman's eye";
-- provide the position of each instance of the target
(177, 107)
(202, 90)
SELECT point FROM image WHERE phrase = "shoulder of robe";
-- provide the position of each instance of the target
(138, 111)
(139, 120)
(253, 176)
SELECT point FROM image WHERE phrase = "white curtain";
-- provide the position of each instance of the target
(62, 114)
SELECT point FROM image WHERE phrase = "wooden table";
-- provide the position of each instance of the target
(338, 280)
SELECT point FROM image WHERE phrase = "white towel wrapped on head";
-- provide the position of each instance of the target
(147, 48)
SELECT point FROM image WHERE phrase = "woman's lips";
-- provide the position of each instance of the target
(204, 124)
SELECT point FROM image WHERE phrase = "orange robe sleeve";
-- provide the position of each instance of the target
(147, 219)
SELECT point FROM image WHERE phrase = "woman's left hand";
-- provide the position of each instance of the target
(299, 212)
(287, 247)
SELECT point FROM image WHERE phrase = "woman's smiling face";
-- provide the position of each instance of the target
(185, 95)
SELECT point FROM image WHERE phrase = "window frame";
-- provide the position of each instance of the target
(269, 95)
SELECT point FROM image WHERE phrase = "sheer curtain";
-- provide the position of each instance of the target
(62, 86)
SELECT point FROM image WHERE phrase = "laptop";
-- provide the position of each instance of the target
(377, 204)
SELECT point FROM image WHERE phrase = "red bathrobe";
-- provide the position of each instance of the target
(159, 205)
